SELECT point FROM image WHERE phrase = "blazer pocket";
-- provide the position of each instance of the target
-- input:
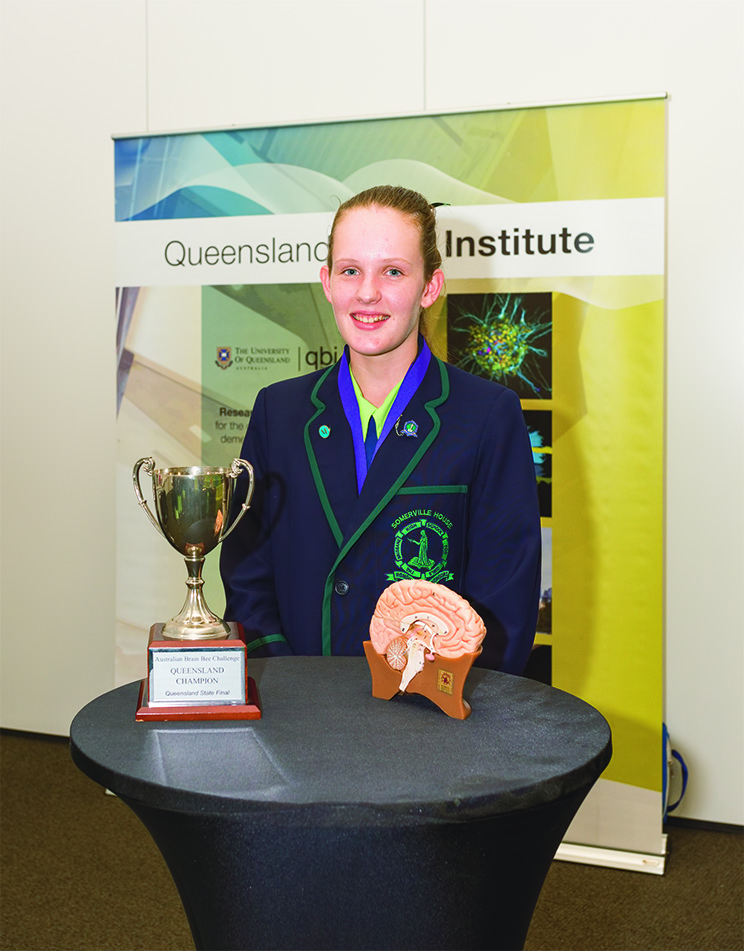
(422, 534)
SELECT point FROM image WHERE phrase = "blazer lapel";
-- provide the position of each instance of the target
(330, 452)
(399, 455)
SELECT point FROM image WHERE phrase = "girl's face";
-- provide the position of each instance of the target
(376, 285)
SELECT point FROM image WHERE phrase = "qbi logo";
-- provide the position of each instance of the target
(316, 359)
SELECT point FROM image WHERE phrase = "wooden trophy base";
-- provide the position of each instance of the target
(441, 681)
(250, 709)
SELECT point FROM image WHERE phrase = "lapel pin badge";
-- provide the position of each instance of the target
(409, 428)
(324, 432)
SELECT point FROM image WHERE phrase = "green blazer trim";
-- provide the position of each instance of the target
(317, 478)
(434, 490)
(260, 641)
(431, 408)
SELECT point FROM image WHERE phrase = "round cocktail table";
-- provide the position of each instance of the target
(342, 821)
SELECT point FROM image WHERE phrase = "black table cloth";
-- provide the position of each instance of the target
(343, 821)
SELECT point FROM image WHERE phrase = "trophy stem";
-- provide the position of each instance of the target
(195, 621)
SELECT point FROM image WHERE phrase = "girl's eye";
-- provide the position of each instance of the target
(394, 272)
(351, 271)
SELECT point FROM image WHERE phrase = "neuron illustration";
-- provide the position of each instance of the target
(504, 337)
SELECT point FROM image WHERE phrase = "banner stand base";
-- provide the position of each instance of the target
(613, 858)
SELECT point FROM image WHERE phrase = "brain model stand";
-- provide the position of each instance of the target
(424, 639)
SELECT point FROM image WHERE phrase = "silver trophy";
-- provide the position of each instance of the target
(193, 506)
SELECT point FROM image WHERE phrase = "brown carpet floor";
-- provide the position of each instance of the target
(79, 871)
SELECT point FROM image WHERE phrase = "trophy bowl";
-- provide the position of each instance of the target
(192, 508)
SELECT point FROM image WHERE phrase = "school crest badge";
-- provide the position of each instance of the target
(421, 547)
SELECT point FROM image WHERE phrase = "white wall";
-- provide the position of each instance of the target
(76, 72)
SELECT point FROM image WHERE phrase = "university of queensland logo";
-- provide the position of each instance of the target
(224, 357)
(421, 547)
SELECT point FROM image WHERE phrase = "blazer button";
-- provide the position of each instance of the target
(341, 587)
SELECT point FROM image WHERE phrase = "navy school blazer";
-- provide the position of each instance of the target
(455, 504)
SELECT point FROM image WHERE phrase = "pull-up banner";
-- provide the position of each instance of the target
(551, 228)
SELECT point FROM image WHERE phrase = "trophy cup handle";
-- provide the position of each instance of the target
(237, 465)
(149, 466)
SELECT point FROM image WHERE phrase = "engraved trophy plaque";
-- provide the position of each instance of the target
(196, 660)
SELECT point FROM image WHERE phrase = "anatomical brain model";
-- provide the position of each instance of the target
(423, 639)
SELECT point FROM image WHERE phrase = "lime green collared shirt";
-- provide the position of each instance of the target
(368, 410)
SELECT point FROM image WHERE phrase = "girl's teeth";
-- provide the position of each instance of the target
(369, 320)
